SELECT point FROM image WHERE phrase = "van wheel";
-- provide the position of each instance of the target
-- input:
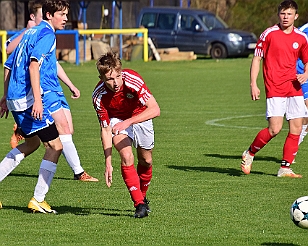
(218, 51)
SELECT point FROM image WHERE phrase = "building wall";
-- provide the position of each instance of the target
(12, 13)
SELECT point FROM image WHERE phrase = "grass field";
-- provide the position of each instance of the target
(198, 194)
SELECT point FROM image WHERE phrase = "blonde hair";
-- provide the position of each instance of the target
(108, 62)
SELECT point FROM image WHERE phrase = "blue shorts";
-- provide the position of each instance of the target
(55, 101)
(305, 90)
(28, 125)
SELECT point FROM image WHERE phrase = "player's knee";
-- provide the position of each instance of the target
(127, 158)
(274, 131)
(147, 162)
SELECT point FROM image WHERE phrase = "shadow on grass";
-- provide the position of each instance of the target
(279, 244)
(238, 157)
(34, 176)
(229, 171)
(81, 211)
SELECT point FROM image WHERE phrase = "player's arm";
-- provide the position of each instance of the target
(3, 106)
(13, 44)
(152, 110)
(106, 137)
(302, 78)
(37, 108)
(65, 79)
(254, 71)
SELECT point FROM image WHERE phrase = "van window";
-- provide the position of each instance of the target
(188, 23)
(148, 20)
(166, 21)
(212, 22)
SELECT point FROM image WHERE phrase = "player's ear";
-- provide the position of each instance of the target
(49, 16)
(296, 16)
(32, 17)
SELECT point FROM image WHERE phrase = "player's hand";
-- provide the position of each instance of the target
(108, 175)
(31, 23)
(302, 78)
(3, 108)
(255, 93)
(37, 110)
(120, 126)
(75, 92)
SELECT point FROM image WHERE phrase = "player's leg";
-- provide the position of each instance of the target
(144, 140)
(296, 109)
(145, 173)
(63, 119)
(16, 155)
(275, 111)
(123, 143)
(305, 120)
(53, 148)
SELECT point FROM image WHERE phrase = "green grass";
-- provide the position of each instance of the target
(198, 194)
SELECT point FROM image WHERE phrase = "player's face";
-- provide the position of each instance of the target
(287, 18)
(114, 80)
(59, 19)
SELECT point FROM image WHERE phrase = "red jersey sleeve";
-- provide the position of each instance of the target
(101, 111)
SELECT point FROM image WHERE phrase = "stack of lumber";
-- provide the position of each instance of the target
(173, 54)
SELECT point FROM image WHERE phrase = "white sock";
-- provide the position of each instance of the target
(10, 162)
(70, 153)
(303, 134)
(46, 173)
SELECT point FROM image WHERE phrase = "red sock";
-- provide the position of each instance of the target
(145, 175)
(262, 138)
(290, 147)
(132, 182)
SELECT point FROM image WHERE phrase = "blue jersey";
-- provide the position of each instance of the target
(300, 64)
(38, 43)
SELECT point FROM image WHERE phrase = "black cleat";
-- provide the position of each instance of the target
(141, 211)
(147, 202)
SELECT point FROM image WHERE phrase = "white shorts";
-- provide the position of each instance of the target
(291, 107)
(142, 134)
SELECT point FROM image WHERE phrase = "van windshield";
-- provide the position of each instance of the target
(213, 22)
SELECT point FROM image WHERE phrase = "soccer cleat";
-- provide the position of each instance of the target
(42, 207)
(146, 202)
(141, 211)
(85, 177)
(287, 172)
(16, 137)
(247, 160)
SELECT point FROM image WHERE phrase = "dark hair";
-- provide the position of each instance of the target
(52, 6)
(287, 4)
(33, 6)
(108, 62)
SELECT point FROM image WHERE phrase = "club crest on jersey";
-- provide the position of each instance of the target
(130, 96)
(295, 45)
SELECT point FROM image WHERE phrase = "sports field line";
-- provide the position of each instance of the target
(215, 122)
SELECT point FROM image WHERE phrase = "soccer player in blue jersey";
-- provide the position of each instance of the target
(300, 69)
(64, 121)
(30, 75)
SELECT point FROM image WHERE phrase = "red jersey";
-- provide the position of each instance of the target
(128, 101)
(280, 52)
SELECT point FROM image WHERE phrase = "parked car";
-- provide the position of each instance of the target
(195, 30)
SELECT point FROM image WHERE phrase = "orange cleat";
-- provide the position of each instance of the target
(16, 137)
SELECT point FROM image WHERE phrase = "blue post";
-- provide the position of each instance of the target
(76, 34)
(121, 36)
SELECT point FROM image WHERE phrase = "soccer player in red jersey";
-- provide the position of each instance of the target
(279, 47)
(125, 108)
